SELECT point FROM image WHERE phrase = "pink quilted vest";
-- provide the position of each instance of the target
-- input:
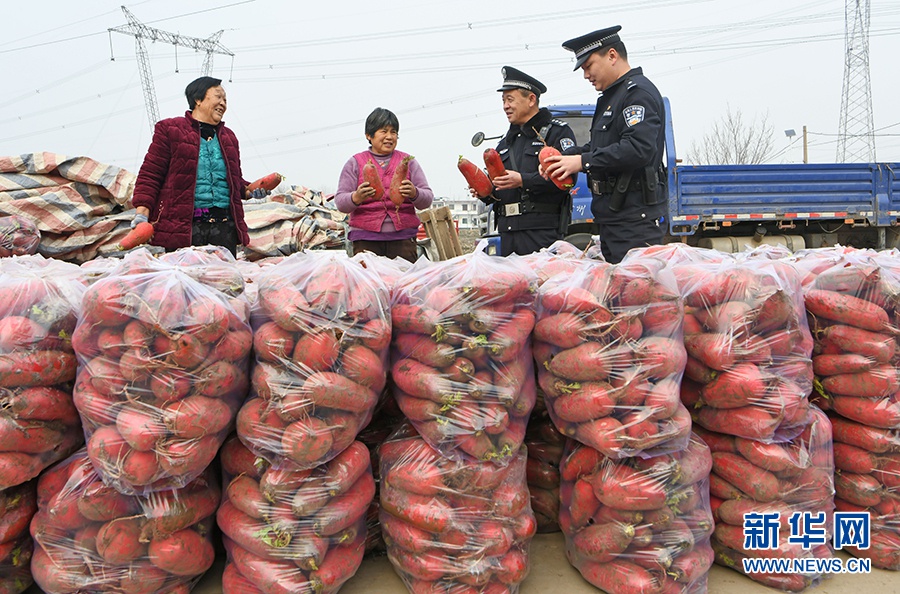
(370, 215)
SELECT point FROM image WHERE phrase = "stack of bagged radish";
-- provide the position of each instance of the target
(545, 443)
(455, 510)
(38, 422)
(294, 512)
(162, 372)
(747, 382)
(634, 501)
(851, 305)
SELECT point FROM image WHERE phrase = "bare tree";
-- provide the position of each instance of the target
(732, 142)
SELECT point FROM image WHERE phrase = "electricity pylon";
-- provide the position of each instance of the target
(856, 135)
(142, 32)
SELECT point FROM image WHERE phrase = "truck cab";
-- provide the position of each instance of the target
(581, 227)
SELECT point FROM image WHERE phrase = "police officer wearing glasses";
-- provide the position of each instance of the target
(624, 158)
(531, 212)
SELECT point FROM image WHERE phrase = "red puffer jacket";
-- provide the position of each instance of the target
(166, 181)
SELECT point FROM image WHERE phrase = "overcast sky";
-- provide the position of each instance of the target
(306, 74)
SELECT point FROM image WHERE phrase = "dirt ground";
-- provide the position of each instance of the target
(467, 239)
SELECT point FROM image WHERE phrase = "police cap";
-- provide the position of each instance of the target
(513, 78)
(585, 45)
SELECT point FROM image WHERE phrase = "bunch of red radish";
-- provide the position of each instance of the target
(609, 353)
(291, 530)
(17, 506)
(92, 538)
(749, 476)
(39, 425)
(638, 524)
(455, 525)
(321, 336)
(163, 370)
(461, 354)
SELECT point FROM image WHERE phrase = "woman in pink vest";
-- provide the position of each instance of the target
(380, 226)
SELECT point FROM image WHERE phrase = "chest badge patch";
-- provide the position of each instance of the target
(633, 114)
(566, 143)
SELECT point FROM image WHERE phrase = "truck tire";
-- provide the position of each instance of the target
(579, 240)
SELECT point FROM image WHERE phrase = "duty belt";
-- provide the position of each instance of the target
(608, 186)
(519, 208)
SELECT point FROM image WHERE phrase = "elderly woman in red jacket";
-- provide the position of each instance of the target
(378, 225)
(190, 184)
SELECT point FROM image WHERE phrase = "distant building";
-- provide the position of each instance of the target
(464, 210)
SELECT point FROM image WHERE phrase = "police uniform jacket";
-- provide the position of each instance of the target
(627, 135)
(523, 142)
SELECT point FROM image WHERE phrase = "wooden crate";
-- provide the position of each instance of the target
(441, 229)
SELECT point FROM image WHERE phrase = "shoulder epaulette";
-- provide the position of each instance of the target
(557, 122)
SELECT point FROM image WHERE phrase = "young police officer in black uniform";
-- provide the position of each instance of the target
(624, 158)
(531, 212)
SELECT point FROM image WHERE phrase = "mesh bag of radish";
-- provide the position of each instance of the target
(851, 299)
(638, 524)
(163, 363)
(788, 478)
(748, 369)
(39, 425)
(19, 236)
(461, 354)
(92, 538)
(454, 524)
(17, 506)
(609, 353)
(290, 530)
(321, 336)
(560, 258)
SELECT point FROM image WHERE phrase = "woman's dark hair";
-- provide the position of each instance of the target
(196, 91)
(381, 118)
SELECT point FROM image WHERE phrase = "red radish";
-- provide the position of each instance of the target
(36, 368)
(235, 583)
(878, 382)
(754, 422)
(118, 541)
(17, 332)
(561, 183)
(372, 175)
(307, 441)
(849, 339)
(620, 576)
(141, 234)
(760, 484)
(871, 439)
(401, 173)
(493, 163)
(846, 309)
(268, 182)
(184, 553)
(318, 351)
(475, 177)
(420, 511)
(339, 565)
(344, 510)
(197, 416)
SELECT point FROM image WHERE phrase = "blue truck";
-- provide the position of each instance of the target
(731, 207)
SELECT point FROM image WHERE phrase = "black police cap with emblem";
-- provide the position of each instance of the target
(513, 78)
(585, 45)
